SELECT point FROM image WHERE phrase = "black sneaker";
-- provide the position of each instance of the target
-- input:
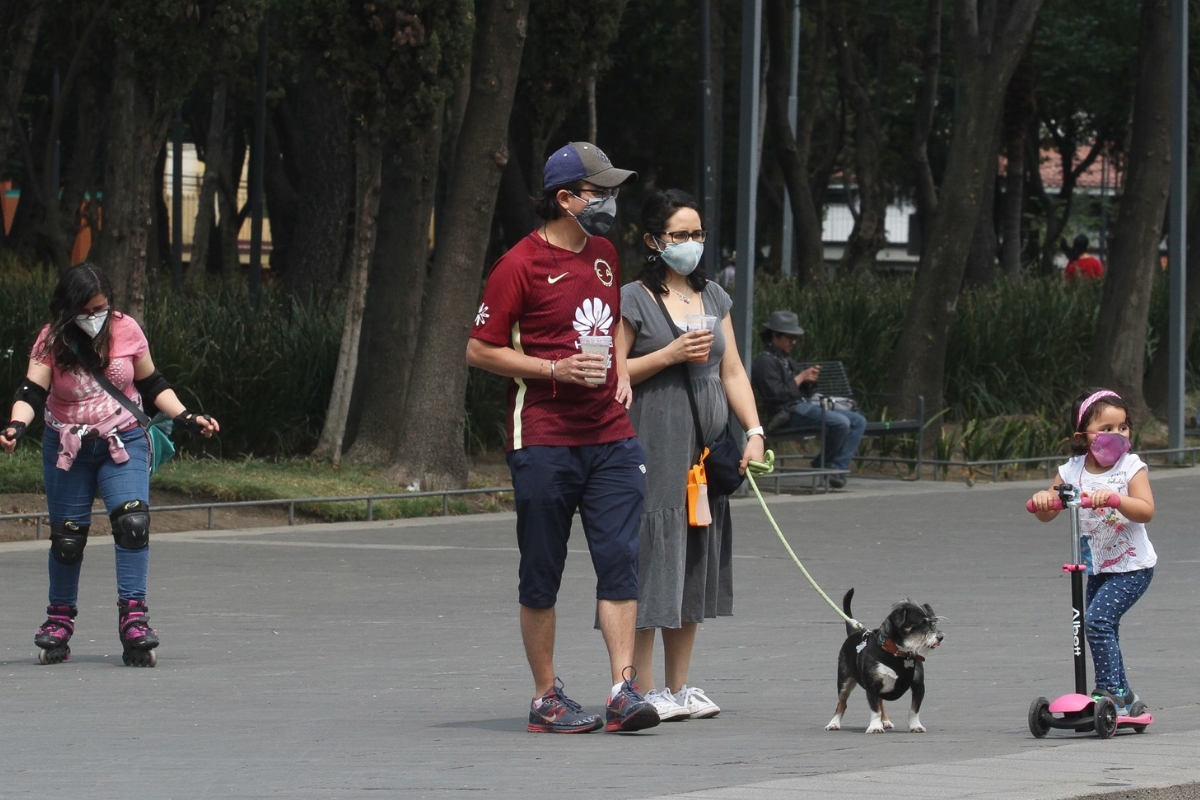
(1123, 699)
(557, 713)
(628, 710)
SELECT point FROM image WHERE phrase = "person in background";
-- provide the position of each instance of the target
(1081, 263)
(786, 391)
(93, 443)
(685, 573)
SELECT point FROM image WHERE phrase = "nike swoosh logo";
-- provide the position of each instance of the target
(557, 278)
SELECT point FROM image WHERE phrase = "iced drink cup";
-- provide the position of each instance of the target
(701, 322)
(597, 345)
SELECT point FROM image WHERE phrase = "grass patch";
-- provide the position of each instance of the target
(261, 479)
(258, 479)
(21, 472)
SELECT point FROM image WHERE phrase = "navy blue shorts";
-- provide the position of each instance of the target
(606, 483)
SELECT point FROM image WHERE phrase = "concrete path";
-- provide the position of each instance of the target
(384, 660)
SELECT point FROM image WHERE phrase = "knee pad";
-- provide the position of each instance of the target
(67, 540)
(131, 525)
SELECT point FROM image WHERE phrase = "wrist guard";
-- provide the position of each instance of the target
(150, 387)
(187, 421)
(14, 430)
(29, 392)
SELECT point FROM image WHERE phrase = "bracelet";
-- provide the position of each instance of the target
(553, 379)
(757, 430)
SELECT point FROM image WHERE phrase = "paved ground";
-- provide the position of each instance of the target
(384, 661)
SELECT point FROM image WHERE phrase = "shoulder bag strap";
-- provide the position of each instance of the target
(687, 376)
(120, 397)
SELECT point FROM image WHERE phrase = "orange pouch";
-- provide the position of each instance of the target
(699, 514)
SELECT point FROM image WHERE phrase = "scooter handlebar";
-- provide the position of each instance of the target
(1114, 501)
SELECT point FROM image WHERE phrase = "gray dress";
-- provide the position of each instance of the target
(685, 574)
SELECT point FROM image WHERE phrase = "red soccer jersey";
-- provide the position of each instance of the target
(539, 299)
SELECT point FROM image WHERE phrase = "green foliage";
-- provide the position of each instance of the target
(264, 372)
(394, 60)
(177, 40)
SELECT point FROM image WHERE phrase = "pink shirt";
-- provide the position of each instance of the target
(76, 397)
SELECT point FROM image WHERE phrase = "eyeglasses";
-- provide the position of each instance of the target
(603, 194)
(93, 312)
(679, 237)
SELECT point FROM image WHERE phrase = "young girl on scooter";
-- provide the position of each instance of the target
(1116, 549)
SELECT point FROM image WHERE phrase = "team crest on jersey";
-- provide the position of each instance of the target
(481, 316)
(603, 271)
(593, 318)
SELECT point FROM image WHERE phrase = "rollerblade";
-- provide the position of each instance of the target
(54, 634)
(137, 637)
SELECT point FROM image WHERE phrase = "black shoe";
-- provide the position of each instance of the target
(837, 481)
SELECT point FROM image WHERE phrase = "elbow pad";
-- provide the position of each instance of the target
(32, 394)
(151, 387)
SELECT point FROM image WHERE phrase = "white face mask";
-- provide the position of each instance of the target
(91, 324)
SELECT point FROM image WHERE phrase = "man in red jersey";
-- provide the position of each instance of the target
(570, 443)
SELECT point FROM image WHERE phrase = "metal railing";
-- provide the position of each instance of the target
(291, 503)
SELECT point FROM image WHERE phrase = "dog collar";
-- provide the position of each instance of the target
(890, 647)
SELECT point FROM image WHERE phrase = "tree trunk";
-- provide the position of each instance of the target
(513, 207)
(981, 258)
(1019, 111)
(326, 204)
(869, 235)
(931, 65)
(230, 225)
(13, 84)
(138, 129)
(794, 150)
(367, 164)
(432, 446)
(282, 199)
(987, 50)
(392, 322)
(1119, 349)
(206, 207)
(1158, 377)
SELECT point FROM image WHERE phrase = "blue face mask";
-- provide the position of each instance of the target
(683, 257)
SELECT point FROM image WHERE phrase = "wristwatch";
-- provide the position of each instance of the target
(755, 431)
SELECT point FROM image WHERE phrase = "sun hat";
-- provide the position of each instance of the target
(784, 322)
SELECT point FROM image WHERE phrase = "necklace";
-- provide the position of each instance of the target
(685, 298)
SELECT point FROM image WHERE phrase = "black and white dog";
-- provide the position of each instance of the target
(887, 662)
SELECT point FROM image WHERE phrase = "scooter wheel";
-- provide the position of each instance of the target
(1036, 725)
(1106, 718)
(1136, 710)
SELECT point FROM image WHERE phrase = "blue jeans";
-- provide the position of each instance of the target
(843, 432)
(1109, 596)
(69, 497)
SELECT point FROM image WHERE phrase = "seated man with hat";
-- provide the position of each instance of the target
(787, 392)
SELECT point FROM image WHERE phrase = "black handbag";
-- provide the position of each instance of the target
(724, 457)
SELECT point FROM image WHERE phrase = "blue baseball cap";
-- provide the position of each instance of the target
(582, 161)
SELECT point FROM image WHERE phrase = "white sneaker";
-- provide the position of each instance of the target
(664, 703)
(696, 702)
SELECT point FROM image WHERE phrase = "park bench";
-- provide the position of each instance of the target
(834, 382)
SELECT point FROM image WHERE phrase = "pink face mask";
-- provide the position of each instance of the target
(1107, 448)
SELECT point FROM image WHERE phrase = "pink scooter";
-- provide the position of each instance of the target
(1078, 711)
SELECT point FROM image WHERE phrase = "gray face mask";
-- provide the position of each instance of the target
(597, 216)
